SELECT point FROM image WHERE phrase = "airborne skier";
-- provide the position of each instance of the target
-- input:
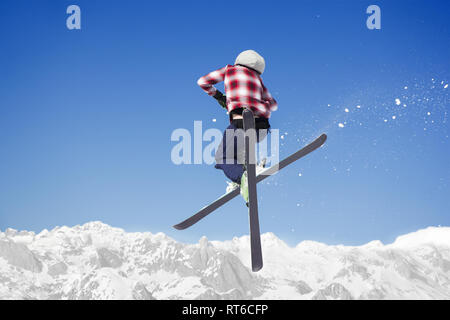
(249, 105)
(243, 89)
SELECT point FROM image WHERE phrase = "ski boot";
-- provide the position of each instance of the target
(244, 187)
(244, 181)
(231, 186)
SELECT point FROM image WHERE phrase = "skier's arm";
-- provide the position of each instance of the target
(207, 82)
(268, 99)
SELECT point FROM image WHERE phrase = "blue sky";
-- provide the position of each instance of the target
(86, 115)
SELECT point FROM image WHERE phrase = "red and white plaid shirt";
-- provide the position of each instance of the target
(243, 88)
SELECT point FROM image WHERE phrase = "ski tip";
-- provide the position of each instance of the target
(323, 137)
(179, 227)
(256, 268)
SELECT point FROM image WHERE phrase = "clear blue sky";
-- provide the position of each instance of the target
(86, 116)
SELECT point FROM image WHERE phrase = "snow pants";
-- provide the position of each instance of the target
(230, 156)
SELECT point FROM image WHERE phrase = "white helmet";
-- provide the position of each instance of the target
(251, 59)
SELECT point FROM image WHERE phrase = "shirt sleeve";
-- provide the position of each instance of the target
(269, 100)
(207, 82)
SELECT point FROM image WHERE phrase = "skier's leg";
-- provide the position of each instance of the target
(232, 171)
(228, 156)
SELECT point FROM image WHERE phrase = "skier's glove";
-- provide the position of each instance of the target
(221, 99)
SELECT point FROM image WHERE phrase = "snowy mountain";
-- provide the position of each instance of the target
(96, 261)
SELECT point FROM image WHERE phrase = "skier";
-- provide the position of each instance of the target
(243, 89)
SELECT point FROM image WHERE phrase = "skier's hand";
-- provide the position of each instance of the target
(221, 98)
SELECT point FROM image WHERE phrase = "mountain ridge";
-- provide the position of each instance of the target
(97, 261)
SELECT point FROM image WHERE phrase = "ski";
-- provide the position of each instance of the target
(260, 177)
(250, 166)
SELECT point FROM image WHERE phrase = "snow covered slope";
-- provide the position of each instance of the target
(96, 261)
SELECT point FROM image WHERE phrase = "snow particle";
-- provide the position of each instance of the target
(214, 120)
(429, 113)
(341, 125)
(446, 86)
(406, 88)
(397, 101)
(358, 107)
(393, 117)
(346, 110)
(299, 174)
(385, 120)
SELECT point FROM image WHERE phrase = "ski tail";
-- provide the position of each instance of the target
(206, 210)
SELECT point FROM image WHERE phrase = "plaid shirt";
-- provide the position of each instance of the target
(243, 88)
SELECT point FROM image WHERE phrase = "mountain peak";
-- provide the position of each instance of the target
(203, 242)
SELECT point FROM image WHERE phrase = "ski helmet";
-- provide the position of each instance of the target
(251, 59)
